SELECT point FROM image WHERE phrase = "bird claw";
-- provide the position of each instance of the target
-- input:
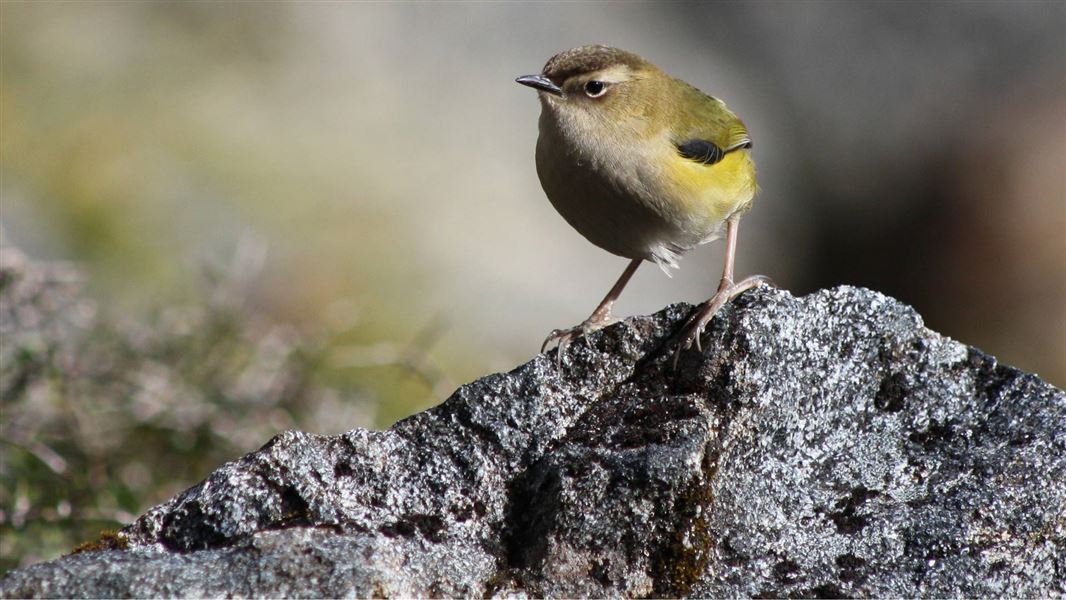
(563, 337)
(693, 329)
(691, 335)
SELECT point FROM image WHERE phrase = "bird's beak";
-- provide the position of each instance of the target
(540, 82)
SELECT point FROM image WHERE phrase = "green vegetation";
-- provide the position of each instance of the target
(105, 416)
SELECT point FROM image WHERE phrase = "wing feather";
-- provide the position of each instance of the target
(705, 129)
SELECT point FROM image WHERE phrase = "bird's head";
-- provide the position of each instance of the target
(597, 84)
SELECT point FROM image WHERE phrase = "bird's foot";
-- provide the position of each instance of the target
(563, 337)
(727, 290)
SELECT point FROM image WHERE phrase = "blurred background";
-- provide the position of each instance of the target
(221, 220)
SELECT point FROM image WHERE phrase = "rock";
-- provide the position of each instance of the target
(823, 446)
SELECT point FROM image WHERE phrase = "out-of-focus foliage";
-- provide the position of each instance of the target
(104, 416)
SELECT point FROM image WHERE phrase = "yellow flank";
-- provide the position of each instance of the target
(711, 193)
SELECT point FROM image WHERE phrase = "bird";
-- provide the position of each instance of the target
(644, 166)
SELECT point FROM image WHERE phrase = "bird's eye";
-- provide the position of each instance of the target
(595, 89)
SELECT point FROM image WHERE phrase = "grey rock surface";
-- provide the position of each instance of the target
(822, 446)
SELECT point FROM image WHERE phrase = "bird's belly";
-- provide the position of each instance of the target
(650, 207)
(605, 212)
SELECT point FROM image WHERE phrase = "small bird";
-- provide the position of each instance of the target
(643, 165)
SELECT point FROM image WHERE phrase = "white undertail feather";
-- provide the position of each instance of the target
(667, 257)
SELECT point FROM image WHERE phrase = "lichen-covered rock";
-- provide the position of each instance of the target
(828, 445)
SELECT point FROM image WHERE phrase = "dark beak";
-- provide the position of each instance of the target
(540, 82)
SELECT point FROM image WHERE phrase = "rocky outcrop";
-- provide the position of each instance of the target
(823, 446)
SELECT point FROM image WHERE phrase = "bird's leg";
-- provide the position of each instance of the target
(727, 290)
(601, 317)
